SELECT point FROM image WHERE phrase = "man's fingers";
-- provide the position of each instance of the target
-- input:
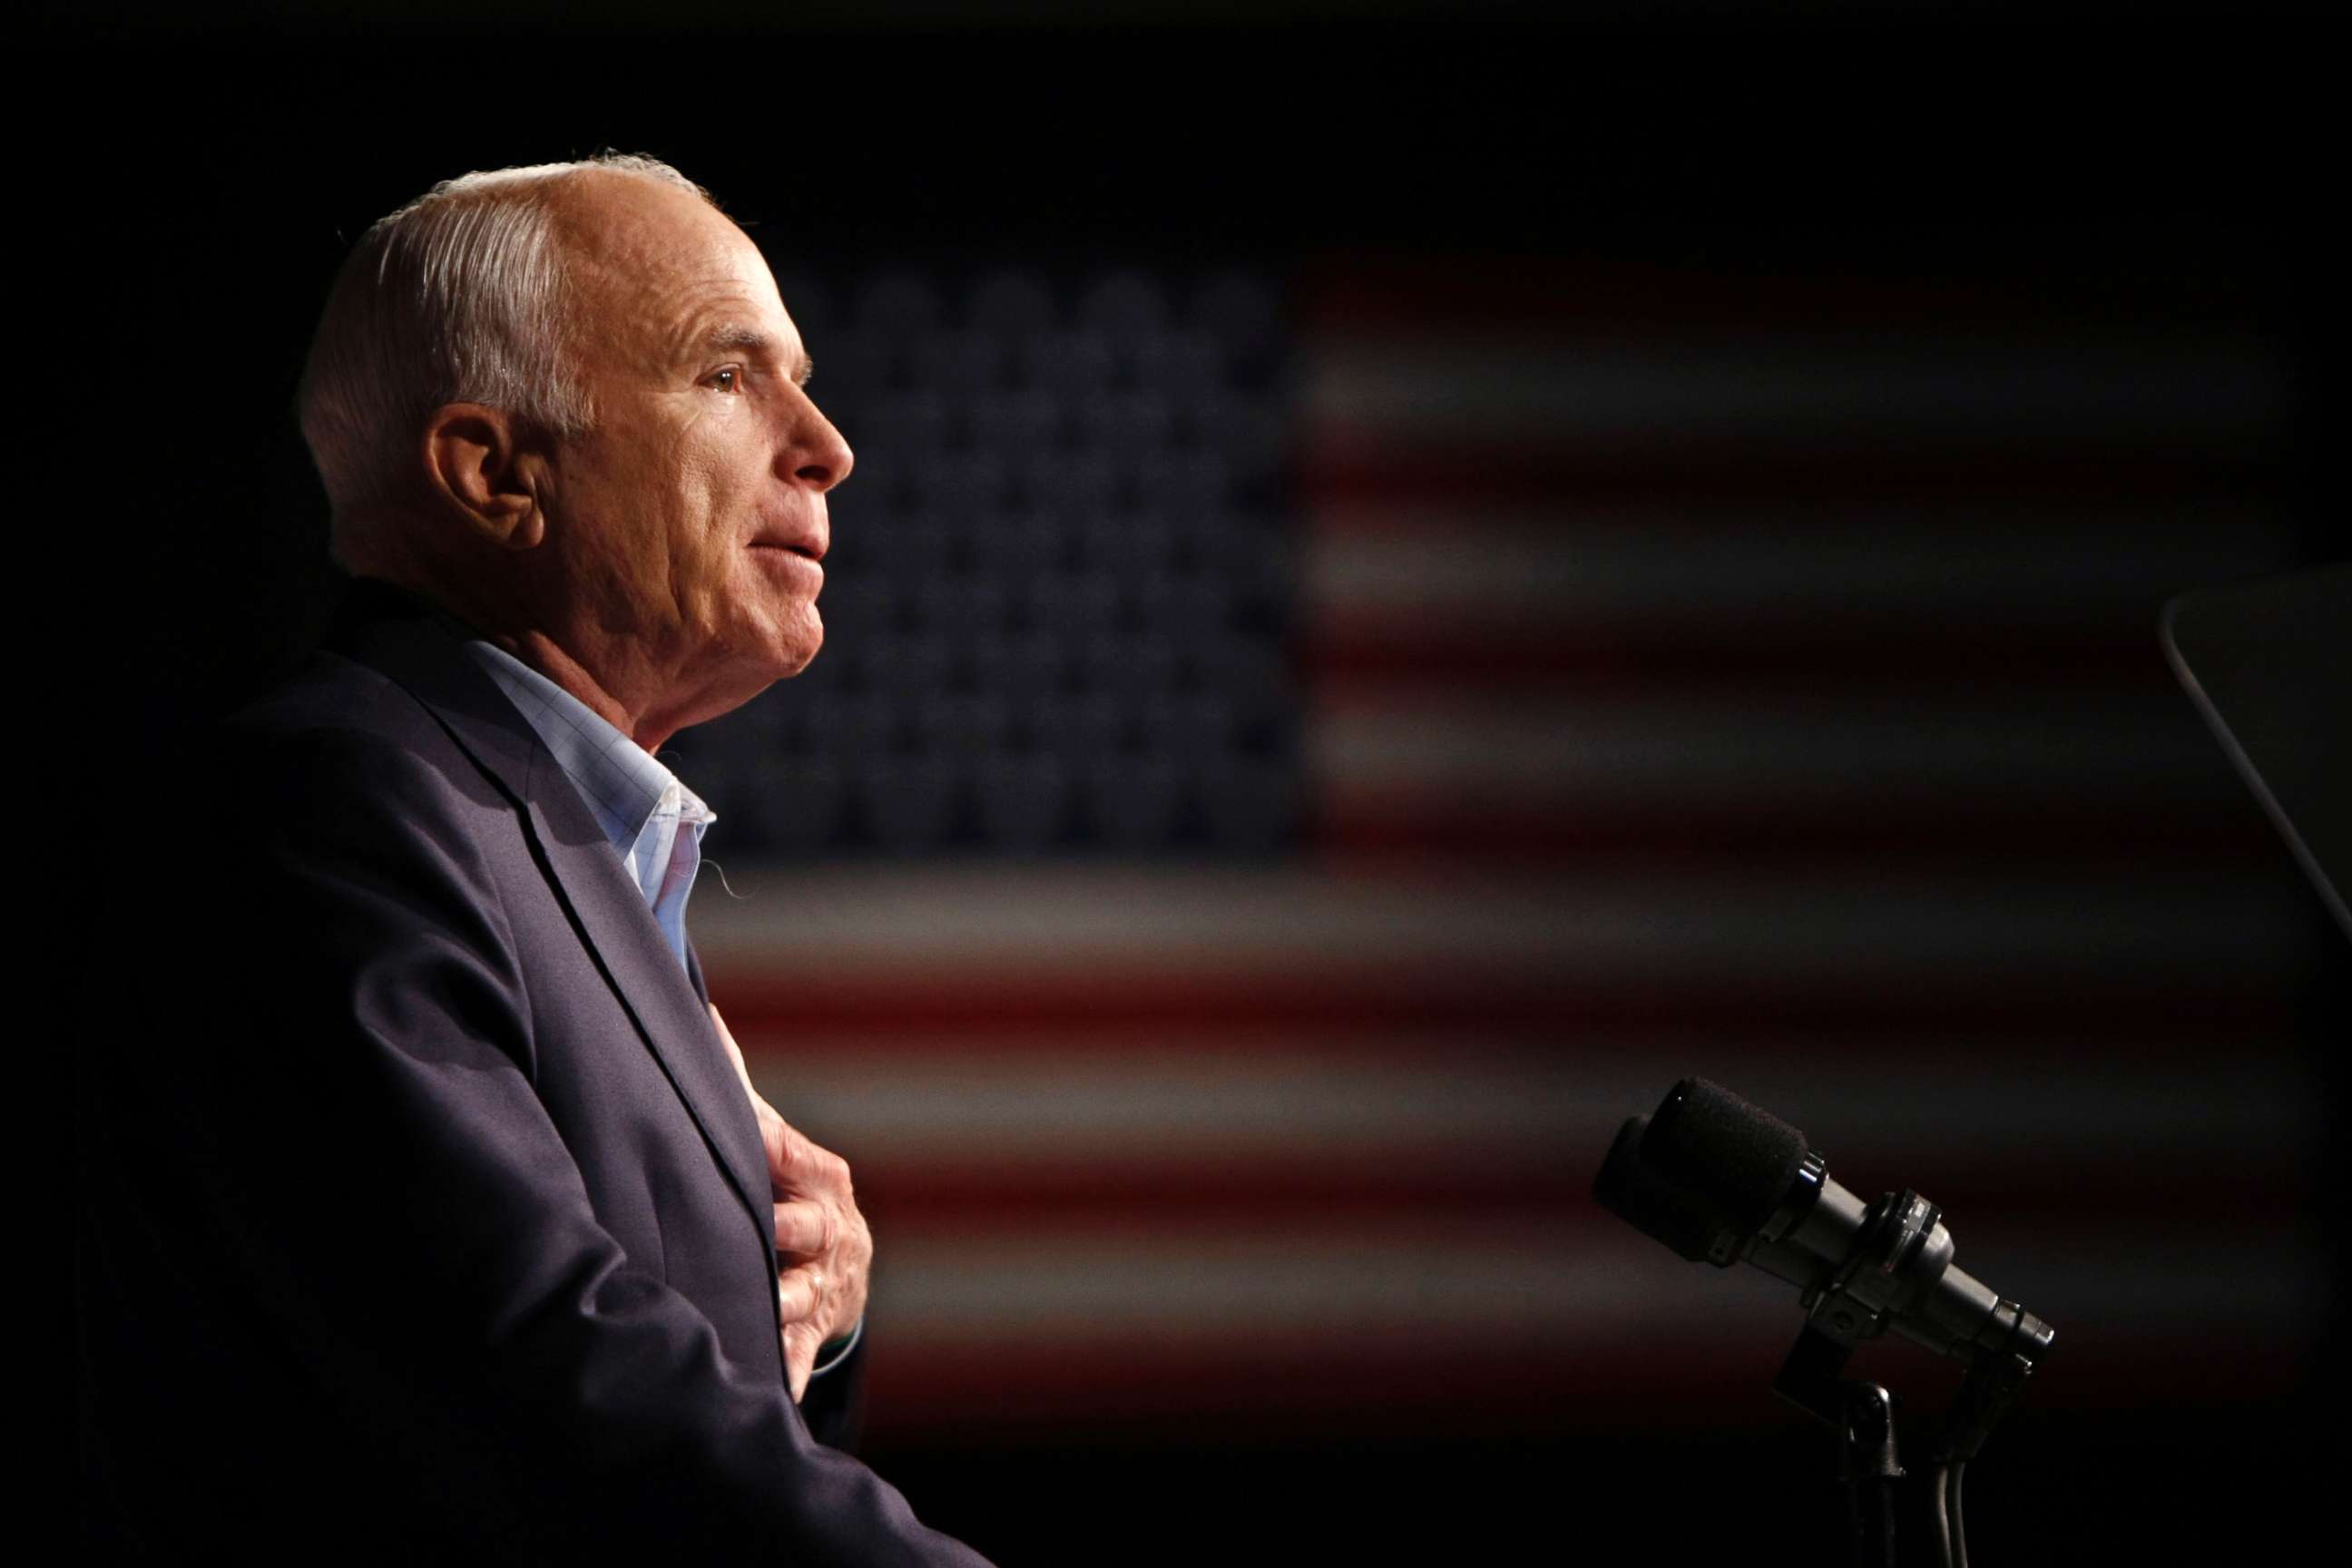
(805, 1229)
(802, 1342)
(734, 1051)
(800, 1294)
(816, 1222)
(798, 1165)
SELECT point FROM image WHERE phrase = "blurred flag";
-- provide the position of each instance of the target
(1755, 678)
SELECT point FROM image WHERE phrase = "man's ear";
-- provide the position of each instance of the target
(477, 463)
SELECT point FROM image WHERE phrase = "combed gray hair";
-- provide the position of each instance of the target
(458, 296)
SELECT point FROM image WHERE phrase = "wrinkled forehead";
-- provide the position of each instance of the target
(650, 263)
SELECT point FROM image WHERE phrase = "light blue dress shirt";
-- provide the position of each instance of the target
(655, 823)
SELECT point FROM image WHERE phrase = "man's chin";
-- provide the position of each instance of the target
(807, 646)
(796, 653)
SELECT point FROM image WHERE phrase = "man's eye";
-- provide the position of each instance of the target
(728, 379)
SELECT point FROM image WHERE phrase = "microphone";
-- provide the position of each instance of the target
(1721, 1181)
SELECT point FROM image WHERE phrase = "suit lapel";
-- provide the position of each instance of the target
(395, 635)
(612, 916)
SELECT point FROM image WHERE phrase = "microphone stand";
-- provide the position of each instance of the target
(1864, 1414)
(1852, 1303)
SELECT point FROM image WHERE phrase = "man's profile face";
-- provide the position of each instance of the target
(689, 520)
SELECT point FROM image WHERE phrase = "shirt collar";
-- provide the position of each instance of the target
(620, 780)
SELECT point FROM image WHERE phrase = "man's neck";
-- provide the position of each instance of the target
(547, 657)
(636, 700)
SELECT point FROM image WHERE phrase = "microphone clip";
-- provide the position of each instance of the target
(1898, 1255)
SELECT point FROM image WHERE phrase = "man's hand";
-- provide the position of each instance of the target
(823, 1249)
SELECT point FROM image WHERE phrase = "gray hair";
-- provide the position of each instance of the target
(458, 296)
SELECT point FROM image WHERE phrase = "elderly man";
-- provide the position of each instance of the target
(445, 1215)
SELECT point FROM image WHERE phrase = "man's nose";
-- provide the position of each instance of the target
(819, 456)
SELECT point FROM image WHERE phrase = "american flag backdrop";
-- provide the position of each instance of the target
(1745, 675)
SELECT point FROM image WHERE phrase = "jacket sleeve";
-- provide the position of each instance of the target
(401, 1273)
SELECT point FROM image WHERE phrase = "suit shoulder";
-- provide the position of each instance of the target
(330, 695)
(340, 805)
(340, 734)
(339, 782)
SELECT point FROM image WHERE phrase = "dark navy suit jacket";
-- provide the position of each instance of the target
(424, 1210)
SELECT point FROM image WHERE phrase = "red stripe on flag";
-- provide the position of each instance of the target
(1994, 1200)
(1737, 653)
(1385, 469)
(987, 1010)
(1304, 1384)
(1380, 828)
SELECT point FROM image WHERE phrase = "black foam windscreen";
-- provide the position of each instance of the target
(1736, 1162)
(1658, 1209)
